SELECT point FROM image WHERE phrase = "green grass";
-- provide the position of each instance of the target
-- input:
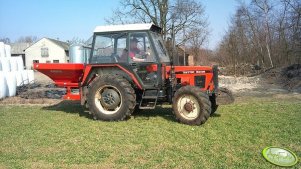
(64, 136)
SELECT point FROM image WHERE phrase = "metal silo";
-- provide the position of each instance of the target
(77, 53)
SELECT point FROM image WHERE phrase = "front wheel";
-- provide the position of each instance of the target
(191, 106)
(111, 98)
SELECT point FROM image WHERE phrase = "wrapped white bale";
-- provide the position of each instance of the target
(0, 65)
(19, 78)
(11, 84)
(13, 64)
(7, 50)
(25, 77)
(2, 49)
(20, 63)
(30, 74)
(2, 85)
(5, 64)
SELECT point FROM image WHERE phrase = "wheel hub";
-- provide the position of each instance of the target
(110, 99)
(188, 107)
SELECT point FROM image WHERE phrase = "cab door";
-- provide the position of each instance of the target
(143, 60)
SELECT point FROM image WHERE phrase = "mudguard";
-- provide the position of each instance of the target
(224, 96)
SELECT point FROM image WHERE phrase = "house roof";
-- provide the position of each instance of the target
(18, 48)
(63, 45)
(125, 27)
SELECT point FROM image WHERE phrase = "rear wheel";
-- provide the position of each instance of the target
(191, 105)
(111, 98)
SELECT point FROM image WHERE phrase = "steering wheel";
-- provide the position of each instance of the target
(115, 57)
(145, 55)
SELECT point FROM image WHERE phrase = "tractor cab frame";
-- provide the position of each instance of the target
(141, 51)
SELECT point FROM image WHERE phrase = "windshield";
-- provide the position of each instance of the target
(159, 45)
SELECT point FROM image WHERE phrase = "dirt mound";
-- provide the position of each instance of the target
(292, 75)
(239, 83)
(241, 70)
(36, 93)
(288, 77)
(283, 80)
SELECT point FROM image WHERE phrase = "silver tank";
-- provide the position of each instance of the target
(78, 53)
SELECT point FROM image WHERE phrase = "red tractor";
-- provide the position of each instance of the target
(129, 69)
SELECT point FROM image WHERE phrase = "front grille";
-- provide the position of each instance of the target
(199, 81)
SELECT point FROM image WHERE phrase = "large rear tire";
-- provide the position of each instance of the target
(191, 106)
(111, 98)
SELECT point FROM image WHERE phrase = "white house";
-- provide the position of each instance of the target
(47, 50)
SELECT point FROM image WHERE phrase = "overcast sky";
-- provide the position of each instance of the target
(65, 19)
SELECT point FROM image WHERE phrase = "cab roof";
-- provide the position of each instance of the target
(127, 27)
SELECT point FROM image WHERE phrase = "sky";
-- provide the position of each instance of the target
(68, 19)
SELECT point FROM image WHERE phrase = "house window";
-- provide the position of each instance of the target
(48, 61)
(56, 61)
(35, 61)
(44, 52)
(67, 53)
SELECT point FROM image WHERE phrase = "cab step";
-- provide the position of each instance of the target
(149, 99)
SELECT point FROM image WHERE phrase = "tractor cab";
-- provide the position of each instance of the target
(137, 47)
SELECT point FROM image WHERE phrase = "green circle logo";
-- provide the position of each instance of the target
(280, 156)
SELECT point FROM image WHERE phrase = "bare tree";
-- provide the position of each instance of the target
(146, 11)
(196, 41)
(264, 33)
(27, 39)
(5, 40)
(186, 16)
(265, 8)
(294, 25)
(77, 40)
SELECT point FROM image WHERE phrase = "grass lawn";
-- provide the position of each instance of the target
(64, 136)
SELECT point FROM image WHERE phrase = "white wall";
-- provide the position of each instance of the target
(34, 53)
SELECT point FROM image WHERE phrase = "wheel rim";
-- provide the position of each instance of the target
(108, 99)
(188, 107)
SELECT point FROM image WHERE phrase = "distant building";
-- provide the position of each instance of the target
(47, 50)
(18, 49)
(191, 61)
(179, 56)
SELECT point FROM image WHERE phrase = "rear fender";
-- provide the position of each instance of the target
(91, 71)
